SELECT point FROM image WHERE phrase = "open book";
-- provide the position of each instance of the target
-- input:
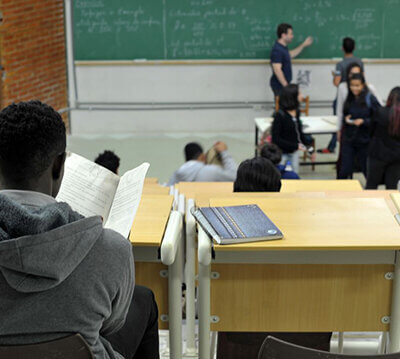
(93, 190)
(236, 224)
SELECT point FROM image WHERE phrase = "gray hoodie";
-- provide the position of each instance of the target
(60, 273)
(197, 171)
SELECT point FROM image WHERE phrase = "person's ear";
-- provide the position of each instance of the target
(58, 166)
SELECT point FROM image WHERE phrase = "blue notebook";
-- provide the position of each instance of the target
(236, 224)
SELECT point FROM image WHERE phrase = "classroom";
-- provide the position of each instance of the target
(202, 179)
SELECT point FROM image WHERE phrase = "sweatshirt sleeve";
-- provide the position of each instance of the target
(122, 301)
(285, 146)
(173, 179)
(229, 167)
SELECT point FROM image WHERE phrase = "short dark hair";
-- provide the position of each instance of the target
(288, 98)
(257, 175)
(192, 151)
(32, 134)
(271, 152)
(348, 45)
(283, 29)
(109, 160)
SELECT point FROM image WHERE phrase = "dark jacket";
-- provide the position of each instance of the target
(383, 147)
(359, 135)
(286, 132)
(60, 273)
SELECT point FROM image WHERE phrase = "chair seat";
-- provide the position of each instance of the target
(70, 347)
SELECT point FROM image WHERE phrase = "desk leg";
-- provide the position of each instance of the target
(394, 333)
(204, 251)
(256, 142)
(174, 304)
(190, 266)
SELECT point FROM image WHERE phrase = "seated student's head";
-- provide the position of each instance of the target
(348, 45)
(289, 98)
(32, 147)
(193, 151)
(109, 160)
(271, 152)
(257, 175)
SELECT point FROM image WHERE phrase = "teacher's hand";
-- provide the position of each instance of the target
(308, 41)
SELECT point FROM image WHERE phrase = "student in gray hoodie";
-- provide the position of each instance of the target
(61, 273)
(195, 168)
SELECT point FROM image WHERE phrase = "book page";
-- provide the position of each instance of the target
(127, 199)
(87, 187)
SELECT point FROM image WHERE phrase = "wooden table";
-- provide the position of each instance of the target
(154, 188)
(331, 272)
(320, 185)
(146, 237)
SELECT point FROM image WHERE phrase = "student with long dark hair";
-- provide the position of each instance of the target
(383, 164)
(358, 109)
(287, 132)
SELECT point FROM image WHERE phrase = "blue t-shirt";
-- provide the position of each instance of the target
(280, 55)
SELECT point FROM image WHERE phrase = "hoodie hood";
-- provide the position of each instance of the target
(188, 171)
(40, 246)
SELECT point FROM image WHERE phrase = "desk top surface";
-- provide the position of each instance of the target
(311, 124)
(151, 219)
(323, 224)
(320, 185)
(190, 189)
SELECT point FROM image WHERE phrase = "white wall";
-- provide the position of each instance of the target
(198, 83)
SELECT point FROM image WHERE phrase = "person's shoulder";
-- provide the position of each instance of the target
(115, 244)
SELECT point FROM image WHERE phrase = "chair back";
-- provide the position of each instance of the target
(304, 105)
(71, 347)
(273, 348)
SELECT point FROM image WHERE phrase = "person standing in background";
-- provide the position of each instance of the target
(340, 76)
(383, 163)
(281, 57)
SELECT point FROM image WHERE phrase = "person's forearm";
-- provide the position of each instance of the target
(281, 77)
(295, 52)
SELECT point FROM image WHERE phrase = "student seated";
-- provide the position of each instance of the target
(109, 160)
(61, 273)
(257, 175)
(195, 168)
(273, 153)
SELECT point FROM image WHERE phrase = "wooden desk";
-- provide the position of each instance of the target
(203, 199)
(329, 273)
(190, 189)
(385, 194)
(154, 188)
(320, 185)
(153, 180)
(146, 237)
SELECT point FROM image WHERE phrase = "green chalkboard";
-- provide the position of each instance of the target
(230, 29)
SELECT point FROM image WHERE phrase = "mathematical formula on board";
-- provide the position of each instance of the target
(172, 29)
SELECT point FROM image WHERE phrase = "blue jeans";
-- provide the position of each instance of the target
(293, 158)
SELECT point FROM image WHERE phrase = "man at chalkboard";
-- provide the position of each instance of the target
(281, 57)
